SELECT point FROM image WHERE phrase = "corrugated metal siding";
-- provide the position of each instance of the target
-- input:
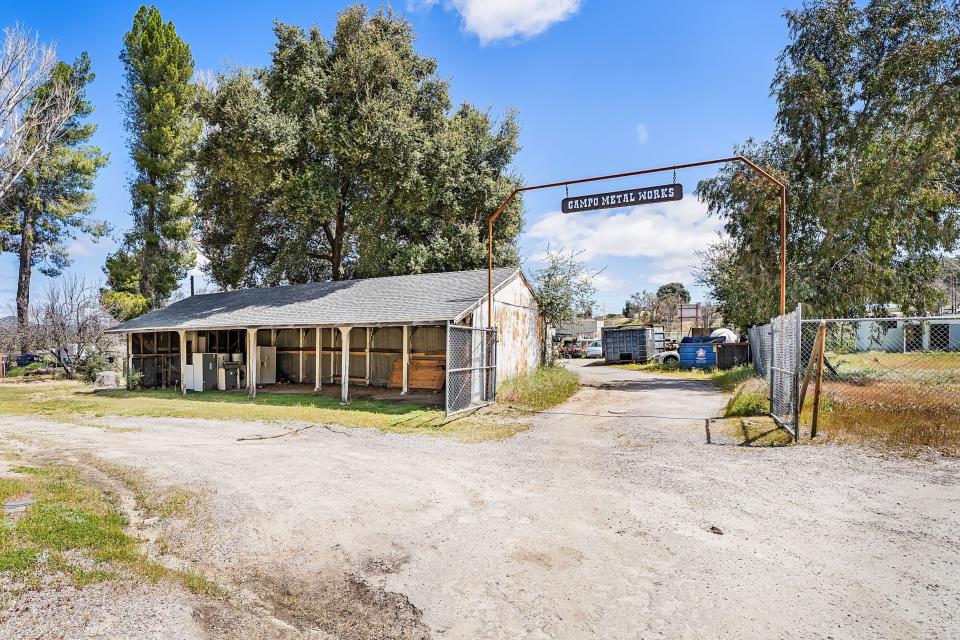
(520, 331)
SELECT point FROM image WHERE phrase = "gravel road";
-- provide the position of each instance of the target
(596, 523)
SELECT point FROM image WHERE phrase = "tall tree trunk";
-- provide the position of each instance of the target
(23, 278)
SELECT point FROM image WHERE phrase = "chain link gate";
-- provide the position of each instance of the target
(785, 371)
(471, 367)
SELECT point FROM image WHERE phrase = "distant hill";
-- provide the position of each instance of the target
(8, 321)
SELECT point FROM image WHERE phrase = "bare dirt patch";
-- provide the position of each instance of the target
(596, 523)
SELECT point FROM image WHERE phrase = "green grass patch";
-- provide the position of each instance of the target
(19, 372)
(65, 401)
(68, 515)
(750, 398)
(72, 515)
(542, 388)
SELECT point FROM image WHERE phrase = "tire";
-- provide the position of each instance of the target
(673, 359)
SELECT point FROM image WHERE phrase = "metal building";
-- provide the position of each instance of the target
(423, 333)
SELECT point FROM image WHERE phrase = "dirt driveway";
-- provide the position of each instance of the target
(593, 524)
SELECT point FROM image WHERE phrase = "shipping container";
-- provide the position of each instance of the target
(630, 344)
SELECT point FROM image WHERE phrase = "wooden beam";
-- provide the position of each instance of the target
(816, 388)
(316, 365)
(300, 360)
(183, 360)
(253, 361)
(345, 366)
(367, 356)
(333, 342)
(821, 336)
(405, 355)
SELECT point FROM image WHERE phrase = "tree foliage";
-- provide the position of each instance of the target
(158, 101)
(52, 199)
(868, 140)
(563, 287)
(345, 158)
(674, 293)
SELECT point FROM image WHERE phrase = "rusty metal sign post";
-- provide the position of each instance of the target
(689, 165)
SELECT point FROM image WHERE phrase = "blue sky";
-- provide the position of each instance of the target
(600, 87)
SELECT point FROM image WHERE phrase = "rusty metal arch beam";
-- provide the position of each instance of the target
(783, 216)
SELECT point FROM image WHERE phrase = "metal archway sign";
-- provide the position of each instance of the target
(623, 199)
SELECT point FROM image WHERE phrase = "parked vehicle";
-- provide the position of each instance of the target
(594, 349)
(572, 349)
(25, 359)
(667, 357)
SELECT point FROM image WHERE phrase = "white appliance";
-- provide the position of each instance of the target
(267, 365)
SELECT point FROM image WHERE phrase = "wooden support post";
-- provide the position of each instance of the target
(183, 361)
(129, 359)
(821, 336)
(816, 388)
(405, 358)
(316, 361)
(300, 360)
(367, 356)
(253, 361)
(333, 341)
(707, 425)
(344, 366)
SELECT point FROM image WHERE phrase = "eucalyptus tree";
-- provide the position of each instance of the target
(868, 139)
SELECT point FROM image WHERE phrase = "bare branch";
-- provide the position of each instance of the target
(30, 120)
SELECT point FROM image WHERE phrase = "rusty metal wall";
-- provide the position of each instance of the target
(519, 329)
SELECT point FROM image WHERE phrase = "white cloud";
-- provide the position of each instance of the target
(642, 133)
(492, 20)
(668, 234)
(607, 284)
(86, 246)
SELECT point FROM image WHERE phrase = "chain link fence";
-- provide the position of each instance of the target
(898, 375)
(761, 347)
(784, 371)
(471, 367)
(905, 367)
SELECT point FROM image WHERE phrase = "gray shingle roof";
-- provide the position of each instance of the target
(422, 298)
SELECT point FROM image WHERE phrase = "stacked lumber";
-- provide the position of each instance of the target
(425, 373)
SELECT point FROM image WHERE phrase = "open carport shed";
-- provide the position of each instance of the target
(425, 331)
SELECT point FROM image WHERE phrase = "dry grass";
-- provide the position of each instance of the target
(541, 389)
(894, 416)
(70, 401)
(754, 432)
(165, 503)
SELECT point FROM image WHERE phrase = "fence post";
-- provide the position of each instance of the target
(446, 374)
(816, 388)
(773, 346)
(796, 373)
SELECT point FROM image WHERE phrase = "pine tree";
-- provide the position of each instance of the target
(159, 99)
